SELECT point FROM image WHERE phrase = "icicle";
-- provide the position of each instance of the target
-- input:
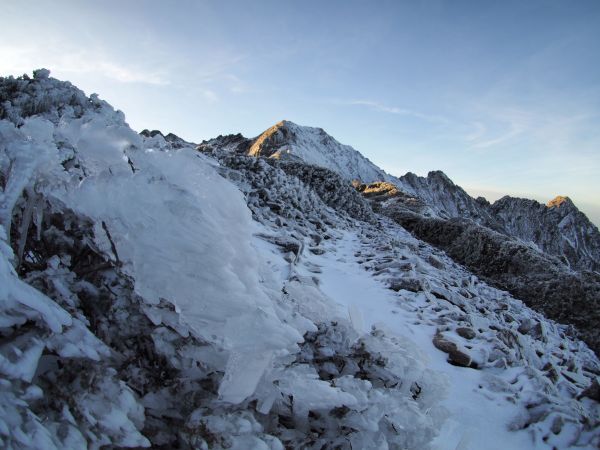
(38, 219)
(19, 176)
(25, 223)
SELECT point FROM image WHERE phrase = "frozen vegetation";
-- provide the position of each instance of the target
(153, 294)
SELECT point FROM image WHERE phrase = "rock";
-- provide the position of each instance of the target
(316, 250)
(455, 356)
(408, 284)
(41, 74)
(592, 391)
(466, 333)
(285, 243)
(436, 262)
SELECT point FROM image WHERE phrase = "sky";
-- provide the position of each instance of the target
(504, 97)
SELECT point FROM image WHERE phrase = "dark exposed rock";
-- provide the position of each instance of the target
(148, 133)
(407, 284)
(286, 244)
(174, 141)
(447, 199)
(466, 333)
(557, 228)
(235, 143)
(332, 189)
(593, 391)
(455, 355)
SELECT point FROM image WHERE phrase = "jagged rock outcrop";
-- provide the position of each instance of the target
(557, 228)
(446, 198)
(171, 140)
(234, 143)
(379, 192)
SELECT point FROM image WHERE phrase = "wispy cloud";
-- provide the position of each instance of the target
(551, 130)
(479, 130)
(70, 60)
(483, 139)
(381, 107)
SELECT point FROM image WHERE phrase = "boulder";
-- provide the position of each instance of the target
(466, 333)
(456, 356)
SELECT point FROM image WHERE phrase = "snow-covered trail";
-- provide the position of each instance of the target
(477, 420)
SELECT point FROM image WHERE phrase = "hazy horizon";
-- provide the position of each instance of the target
(502, 97)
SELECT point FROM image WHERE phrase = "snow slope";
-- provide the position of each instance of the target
(484, 407)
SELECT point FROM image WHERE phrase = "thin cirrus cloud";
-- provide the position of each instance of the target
(76, 64)
(547, 130)
(481, 140)
(70, 61)
(381, 107)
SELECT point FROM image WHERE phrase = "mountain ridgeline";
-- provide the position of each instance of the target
(558, 228)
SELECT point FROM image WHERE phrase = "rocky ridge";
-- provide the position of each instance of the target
(558, 229)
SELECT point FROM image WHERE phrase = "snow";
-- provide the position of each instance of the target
(469, 427)
(479, 418)
(203, 263)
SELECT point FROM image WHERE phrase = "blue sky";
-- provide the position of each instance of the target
(502, 96)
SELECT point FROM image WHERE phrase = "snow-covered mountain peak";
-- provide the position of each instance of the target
(287, 140)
